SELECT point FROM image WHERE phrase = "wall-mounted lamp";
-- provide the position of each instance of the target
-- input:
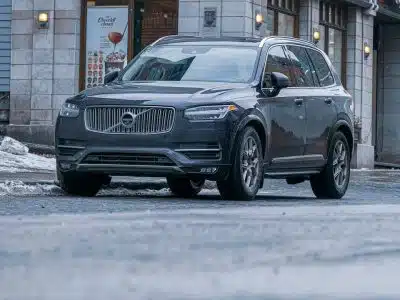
(316, 35)
(367, 50)
(42, 20)
(259, 20)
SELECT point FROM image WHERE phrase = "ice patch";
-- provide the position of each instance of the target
(18, 188)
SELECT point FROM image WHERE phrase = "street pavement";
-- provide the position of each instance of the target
(146, 244)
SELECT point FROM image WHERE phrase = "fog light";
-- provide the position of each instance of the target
(208, 170)
(65, 166)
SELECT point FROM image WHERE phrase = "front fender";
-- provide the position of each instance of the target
(253, 116)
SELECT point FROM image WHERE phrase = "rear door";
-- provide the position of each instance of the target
(321, 107)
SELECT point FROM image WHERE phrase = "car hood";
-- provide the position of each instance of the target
(166, 93)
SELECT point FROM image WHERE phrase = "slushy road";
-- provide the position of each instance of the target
(284, 245)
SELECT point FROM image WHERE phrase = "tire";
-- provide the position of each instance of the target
(80, 184)
(235, 186)
(324, 185)
(185, 187)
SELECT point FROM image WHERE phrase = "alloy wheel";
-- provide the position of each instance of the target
(250, 161)
(340, 164)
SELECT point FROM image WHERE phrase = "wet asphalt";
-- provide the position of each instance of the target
(146, 244)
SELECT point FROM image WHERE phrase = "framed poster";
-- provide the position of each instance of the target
(106, 42)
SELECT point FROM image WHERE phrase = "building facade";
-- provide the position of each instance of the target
(84, 39)
(5, 60)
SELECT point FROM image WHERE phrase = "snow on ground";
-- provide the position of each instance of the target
(14, 157)
(12, 163)
(18, 188)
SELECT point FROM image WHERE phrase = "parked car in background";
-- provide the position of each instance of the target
(231, 110)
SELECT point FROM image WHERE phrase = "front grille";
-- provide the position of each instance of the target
(146, 119)
(128, 159)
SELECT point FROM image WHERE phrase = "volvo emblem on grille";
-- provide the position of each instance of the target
(128, 120)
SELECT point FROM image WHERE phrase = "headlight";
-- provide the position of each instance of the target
(214, 112)
(69, 110)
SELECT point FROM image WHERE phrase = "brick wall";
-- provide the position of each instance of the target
(160, 18)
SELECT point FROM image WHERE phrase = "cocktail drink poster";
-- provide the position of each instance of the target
(106, 42)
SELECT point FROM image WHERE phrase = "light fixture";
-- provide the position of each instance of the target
(367, 50)
(316, 35)
(43, 20)
(259, 20)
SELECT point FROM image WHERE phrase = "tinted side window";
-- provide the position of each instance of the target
(277, 61)
(321, 68)
(301, 66)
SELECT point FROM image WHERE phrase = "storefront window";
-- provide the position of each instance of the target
(282, 17)
(333, 32)
(335, 46)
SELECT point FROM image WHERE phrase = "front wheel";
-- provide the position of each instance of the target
(80, 184)
(246, 174)
(333, 181)
(185, 187)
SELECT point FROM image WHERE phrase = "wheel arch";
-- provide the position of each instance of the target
(258, 124)
(343, 126)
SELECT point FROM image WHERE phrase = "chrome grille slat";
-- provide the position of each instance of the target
(150, 119)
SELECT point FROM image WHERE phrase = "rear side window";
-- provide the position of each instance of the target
(321, 68)
(277, 61)
(301, 66)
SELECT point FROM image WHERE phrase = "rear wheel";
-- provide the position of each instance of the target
(246, 174)
(333, 181)
(185, 187)
(80, 184)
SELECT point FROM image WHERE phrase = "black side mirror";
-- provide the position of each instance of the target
(110, 76)
(274, 82)
(279, 81)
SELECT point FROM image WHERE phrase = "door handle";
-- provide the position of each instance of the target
(298, 101)
(328, 100)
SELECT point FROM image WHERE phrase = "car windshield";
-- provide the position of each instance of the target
(193, 63)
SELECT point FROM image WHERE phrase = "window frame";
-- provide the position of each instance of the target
(294, 12)
(341, 26)
(266, 60)
(310, 64)
(324, 55)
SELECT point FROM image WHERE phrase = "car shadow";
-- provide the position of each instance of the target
(208, 198)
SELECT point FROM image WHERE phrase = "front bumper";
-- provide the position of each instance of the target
(191, 148)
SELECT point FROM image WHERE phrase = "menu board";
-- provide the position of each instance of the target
(106, 42)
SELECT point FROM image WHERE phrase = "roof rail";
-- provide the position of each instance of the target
(171, 37)
(283, 37)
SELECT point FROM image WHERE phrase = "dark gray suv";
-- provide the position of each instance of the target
(231, 110)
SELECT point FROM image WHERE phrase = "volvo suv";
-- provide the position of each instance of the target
(230, 110)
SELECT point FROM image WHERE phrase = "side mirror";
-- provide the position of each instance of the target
(274, 82)
(110, 76)
(279, 81)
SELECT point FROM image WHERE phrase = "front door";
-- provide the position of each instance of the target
(285, 114)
